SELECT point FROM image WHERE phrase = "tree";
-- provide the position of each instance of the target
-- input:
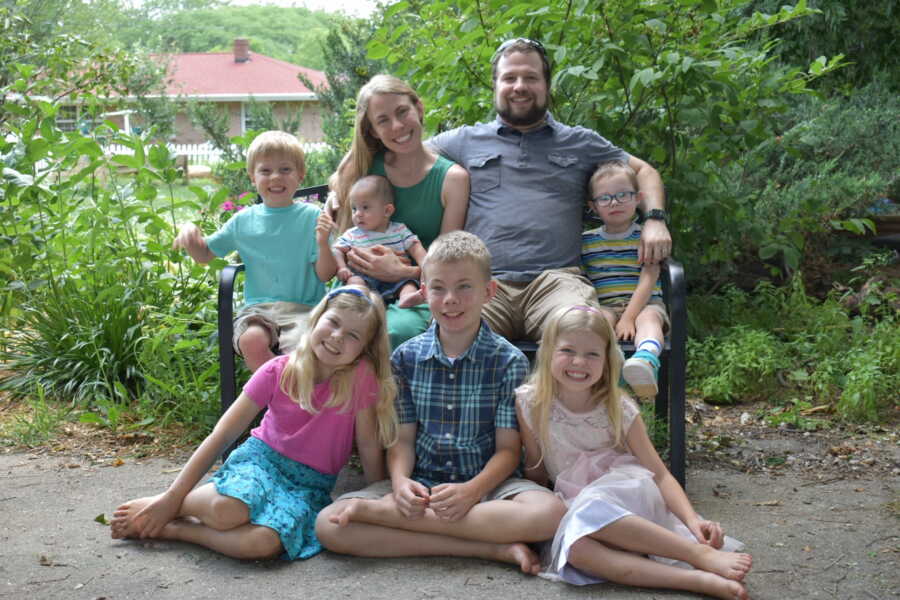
(347, 69)
(683, 84)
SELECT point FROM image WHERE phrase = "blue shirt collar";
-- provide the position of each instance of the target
(433, 349)
(502, 127)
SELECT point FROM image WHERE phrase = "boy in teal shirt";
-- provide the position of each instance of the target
(283, 244)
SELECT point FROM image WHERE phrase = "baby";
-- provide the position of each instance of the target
(372, 202)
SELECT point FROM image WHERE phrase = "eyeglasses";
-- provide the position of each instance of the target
(533, 43)
(617, 198)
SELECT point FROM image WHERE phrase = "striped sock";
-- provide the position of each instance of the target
(650, 345)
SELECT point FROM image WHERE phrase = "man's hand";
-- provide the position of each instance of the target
(452, 501)
(656, 242)
(411, 497)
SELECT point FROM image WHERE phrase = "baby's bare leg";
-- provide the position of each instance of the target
(529, 517)
(410, 295)
(365, 539)
(620, 566)
(637, 534)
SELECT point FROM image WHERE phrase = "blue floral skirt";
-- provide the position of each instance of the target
(282, 494)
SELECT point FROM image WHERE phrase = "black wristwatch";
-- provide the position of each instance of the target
(657, 213)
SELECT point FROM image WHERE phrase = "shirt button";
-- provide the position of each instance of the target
(449, 407)
(452, 376)
(448, 435)
(449, 463)
(453, 477)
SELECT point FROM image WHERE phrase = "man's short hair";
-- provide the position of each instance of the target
(523, 45)
(276, 142)
(457, 246)
(380, 186)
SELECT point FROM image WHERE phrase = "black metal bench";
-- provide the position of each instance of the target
(670, 401)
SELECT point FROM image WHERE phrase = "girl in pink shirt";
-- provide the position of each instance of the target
(335, 387)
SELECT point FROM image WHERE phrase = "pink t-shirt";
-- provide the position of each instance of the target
(323, 440)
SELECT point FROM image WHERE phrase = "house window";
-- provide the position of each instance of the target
(255, 116)
(67, 118)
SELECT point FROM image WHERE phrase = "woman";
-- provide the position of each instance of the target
(431, 193)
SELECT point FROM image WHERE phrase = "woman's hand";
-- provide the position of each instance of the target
(380, 263)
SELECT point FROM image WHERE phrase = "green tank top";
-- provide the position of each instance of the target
(419, 206)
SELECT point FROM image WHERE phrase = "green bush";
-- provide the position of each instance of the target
(780, 344)
(794, 192)
(740, 364)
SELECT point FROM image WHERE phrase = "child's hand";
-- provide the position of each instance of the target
(153, 517)
(344, 274)
(324, 227)
(709, 533)
(189, 237)
(625, 328)
(412, 498)
(452, 501)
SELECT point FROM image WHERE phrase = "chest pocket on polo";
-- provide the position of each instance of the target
(562, 160)
(484, 172)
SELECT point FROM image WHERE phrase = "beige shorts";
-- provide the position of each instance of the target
(507, 489)
(519, 309)
(285, 323)
(654, 304)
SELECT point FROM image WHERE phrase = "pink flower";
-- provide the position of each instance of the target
(228, 205)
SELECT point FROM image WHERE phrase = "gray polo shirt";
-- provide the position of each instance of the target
(528, 190)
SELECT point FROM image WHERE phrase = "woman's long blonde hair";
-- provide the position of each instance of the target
(570, 319)
(298, 377)
(358, 160)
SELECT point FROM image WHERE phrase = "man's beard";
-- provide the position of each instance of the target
(535, 114)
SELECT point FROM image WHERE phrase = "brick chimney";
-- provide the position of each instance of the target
(241, 50)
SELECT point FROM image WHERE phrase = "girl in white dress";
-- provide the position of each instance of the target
(629, 521)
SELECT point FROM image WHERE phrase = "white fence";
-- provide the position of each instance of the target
(201, 154)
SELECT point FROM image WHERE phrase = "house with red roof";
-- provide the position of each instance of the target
(236, 78)
(233, 80)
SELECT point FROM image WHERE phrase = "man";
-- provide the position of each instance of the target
(528, 176)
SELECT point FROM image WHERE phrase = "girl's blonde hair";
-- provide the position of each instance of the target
(606, 391)
(358, 160)
(298, 378)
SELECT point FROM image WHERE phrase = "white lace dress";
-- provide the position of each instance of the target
(599, 483)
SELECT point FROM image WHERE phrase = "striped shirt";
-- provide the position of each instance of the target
(397, 237)
(457, 404)
(610, 261)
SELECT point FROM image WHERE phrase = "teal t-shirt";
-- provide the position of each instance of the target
(278, 247)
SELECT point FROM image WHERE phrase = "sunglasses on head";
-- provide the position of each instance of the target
(533, 43)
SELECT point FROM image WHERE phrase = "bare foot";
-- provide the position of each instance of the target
(122, 524)
(346, 514)
(720, 587)
(413, 299)
(519, 554)
(731, 565)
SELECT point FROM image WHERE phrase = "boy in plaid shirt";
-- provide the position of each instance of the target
(451, 491)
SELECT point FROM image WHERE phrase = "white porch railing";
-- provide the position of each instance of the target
(201, 154)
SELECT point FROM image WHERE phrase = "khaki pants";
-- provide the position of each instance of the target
(519, 309)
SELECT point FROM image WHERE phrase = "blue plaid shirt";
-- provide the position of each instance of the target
(457, 404)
